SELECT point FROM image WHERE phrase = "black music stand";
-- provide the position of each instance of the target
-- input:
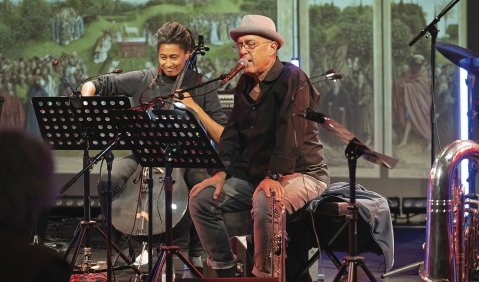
(84, 125)
(354, 150)
(169, 138)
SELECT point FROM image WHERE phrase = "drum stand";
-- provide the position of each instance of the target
(69, 127)
(169, 138)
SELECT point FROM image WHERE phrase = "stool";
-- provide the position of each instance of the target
(336, 211)
(333, 214)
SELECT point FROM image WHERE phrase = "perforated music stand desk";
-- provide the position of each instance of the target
(84, 125)
(169, 138)
(62, 125)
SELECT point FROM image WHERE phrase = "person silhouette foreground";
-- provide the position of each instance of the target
(27, 185)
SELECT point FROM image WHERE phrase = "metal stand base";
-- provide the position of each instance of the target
(79, 237)
(402, 269)
(351, 263)
(168, 251)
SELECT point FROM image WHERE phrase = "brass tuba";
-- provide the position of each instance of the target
(451, 239)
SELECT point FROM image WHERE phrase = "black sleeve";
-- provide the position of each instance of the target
(128, 84)
(290, 127)
(230, 148)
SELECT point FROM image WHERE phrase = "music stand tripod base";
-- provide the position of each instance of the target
(354, 150)
(173, 139)
(82, 126)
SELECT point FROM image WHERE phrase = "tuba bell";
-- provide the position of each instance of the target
(451, 229)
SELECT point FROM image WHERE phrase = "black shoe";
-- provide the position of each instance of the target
(228, 272)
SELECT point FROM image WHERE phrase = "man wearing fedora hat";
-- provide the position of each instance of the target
(267, 148)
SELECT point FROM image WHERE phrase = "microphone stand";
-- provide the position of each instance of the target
(180, 92)
(332, 77)
(75, 97)
(432, 30)
(354, 150)
(89, 164)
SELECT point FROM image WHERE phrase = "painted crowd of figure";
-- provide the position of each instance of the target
(350, 101)
(21, 79)
(67, 26)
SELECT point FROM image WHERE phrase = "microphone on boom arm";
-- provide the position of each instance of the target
(75, 96)
(330, 75)
(55, 65)
(242, 63)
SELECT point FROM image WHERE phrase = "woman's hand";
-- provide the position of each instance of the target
(188, 102)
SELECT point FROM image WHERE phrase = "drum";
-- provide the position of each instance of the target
(130, 207)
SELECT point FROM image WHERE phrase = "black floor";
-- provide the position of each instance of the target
(408, 250)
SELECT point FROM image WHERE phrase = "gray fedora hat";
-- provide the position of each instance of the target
(258, 25)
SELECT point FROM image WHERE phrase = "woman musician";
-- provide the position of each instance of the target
(174, 47)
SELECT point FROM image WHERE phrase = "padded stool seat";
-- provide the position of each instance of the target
(375, 232)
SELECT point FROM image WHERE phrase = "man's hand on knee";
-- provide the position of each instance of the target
(217, 181)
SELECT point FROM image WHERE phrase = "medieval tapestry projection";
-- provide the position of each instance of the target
(343, 35)
(409, 119)
(384, 96)
(90, 37)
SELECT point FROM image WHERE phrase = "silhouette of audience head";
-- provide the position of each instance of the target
(26, 181)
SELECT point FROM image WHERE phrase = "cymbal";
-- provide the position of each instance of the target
(470, 64)
(455, 53)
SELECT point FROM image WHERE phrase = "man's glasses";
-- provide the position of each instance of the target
(248, 45)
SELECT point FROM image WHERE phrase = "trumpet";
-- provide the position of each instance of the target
(278, 250)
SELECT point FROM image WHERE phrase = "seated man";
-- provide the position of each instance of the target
(267, 147)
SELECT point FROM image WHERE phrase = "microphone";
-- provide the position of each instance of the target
(314, 116)
(335, 76)
(242, 63)
(75, 97)
(116, 70)
(55, 64)
(327, 73)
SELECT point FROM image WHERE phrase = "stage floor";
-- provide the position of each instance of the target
(408, 242)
